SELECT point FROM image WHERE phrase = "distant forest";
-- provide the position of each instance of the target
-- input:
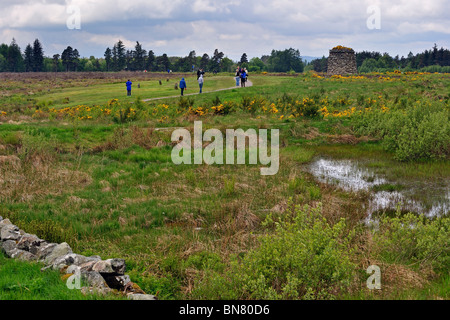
(434, 60)
(119, 58)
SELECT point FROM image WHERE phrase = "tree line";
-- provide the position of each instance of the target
(433, 60)
(119, 58)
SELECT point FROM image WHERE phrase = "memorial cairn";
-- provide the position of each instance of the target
(342, 61)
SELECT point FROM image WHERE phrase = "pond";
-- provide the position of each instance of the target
(417, 196)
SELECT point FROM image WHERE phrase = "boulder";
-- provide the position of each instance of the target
(58, 251)
(8, 247)
(73, 269)
(28, 241)
(10, 232)
(4, 223)
(94, 280)
(44, 250)
(117, 282)
(87, 266)
(72, 259)
(24, 255)
(110, 266)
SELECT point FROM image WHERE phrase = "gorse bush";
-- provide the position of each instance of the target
(414, 133)
(304, 258)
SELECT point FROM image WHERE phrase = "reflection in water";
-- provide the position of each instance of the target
(353, 176)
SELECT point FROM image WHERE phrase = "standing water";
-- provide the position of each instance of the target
(431, 199)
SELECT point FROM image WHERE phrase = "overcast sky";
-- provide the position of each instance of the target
(255, 27)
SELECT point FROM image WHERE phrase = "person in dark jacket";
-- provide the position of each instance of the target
(238, 76)
(183, 85)
(200, 72)
(243, 78)
(128, 84)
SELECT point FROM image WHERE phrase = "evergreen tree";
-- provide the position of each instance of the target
(204, 62)
(70, 58)
(108, 58)
(215, 62)
(191, 60)
(151, 61)
(244, 59)
(163, 63)
(139, 57)
(121, 56)
(66, 57)
(115, 60)
(14, 57)
(55, 62)
(28, 58)
(38, 56)
(75, 59)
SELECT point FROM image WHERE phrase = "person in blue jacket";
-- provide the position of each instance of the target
(243, 78)
(183, 85)
(128, 84)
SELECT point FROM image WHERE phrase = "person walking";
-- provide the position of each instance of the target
(200, 82)
(243, 78)
(128, 84)
(183, 86)
(200, 72)
(238, 75)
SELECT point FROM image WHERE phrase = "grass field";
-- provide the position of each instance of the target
(96, 166)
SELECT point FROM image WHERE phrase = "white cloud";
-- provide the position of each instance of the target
(254, 26)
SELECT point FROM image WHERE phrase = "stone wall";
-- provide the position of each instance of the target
(100, 276)
(342, 62)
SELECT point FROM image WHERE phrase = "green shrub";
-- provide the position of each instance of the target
(304, 258)
(125, 115)
(184, 104)
(414, 240)
(412, 133)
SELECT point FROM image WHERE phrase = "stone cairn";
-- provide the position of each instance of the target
(342, 61)
(101, 276)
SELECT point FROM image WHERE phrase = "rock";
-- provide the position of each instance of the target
(138, 296)
(10, 232)
(24, 255)
(8, 247)
(73, 269)
(28, 241)
(87, 266)
(68, 260)
(1, 218)
(4, 223)
(110, 266)
(91, 290)
(117, 282)
(72, 259)
(44, 250)
(132, 287)
(94, 279)
(59, 250)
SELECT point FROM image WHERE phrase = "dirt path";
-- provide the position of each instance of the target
(247, 84)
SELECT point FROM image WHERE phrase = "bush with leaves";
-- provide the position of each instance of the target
(414, 240)
(412, 133)
(304, 258)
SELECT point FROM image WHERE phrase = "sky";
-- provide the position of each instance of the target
(256, 27)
